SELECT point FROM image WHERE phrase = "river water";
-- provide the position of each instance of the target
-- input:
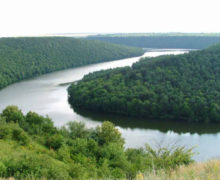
(46, 96)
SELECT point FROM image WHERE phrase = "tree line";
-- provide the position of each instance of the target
(161, 41)
(182, 87)
(22, 58)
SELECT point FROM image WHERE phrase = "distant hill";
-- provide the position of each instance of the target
(22, 58)
(154, 40)
(182, 87)
(156, 34)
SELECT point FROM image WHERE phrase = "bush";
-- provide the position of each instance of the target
(55, 141)
(36, 124)
(107, 133)
(137, 161)
(5, 131)
(13, 114)
(2, 169)
(164, 158)
(77, 130)
(20, 136)
(63, 154)
(30, 165)
(2, 120)
(86, 147)
(14, 132)
(77, 171)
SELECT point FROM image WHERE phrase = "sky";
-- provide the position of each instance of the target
(42, 17)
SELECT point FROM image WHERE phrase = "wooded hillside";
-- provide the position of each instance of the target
(182, 87)
(22, 58)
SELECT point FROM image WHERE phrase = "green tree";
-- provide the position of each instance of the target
(13, 114)
(107, 133)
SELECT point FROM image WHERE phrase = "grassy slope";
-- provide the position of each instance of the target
(33, 155)
(32, 148)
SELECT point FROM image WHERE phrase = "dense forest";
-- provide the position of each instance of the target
(182, 87)
(161, 41)
(22, 58)
(33, 148)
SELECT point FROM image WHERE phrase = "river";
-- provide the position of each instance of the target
(46, 96)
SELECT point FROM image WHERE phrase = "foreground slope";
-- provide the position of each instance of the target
(183, 87)
(32, 148)
(22, 58)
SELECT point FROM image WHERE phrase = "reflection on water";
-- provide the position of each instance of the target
(45, 96)
(178, 127)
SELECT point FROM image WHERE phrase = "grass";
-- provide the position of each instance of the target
(209, 170)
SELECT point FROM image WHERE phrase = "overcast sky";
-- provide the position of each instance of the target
(38, 17)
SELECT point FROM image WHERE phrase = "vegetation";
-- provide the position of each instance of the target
(22, 58)
(32, 148)
(184, 87)
(184, 41)
(199, 171)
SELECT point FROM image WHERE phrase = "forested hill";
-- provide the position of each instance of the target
(22, 58)
(183, 87)
(159, 41)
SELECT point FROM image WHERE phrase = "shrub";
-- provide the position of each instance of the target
(164, 158)
(2, 169)
(63, 154)
(36, 124)
(137, 161)
(107, 133)
(5, 131)
(13, 114)
(55, 141)
(77, 130)
(34, 166)
(115, 154)
(20, 136)
(2, 120)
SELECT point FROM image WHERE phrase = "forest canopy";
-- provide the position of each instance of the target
(22, 58)
(175, 87)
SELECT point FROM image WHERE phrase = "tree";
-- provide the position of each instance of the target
(107, 133)
(13, 114)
